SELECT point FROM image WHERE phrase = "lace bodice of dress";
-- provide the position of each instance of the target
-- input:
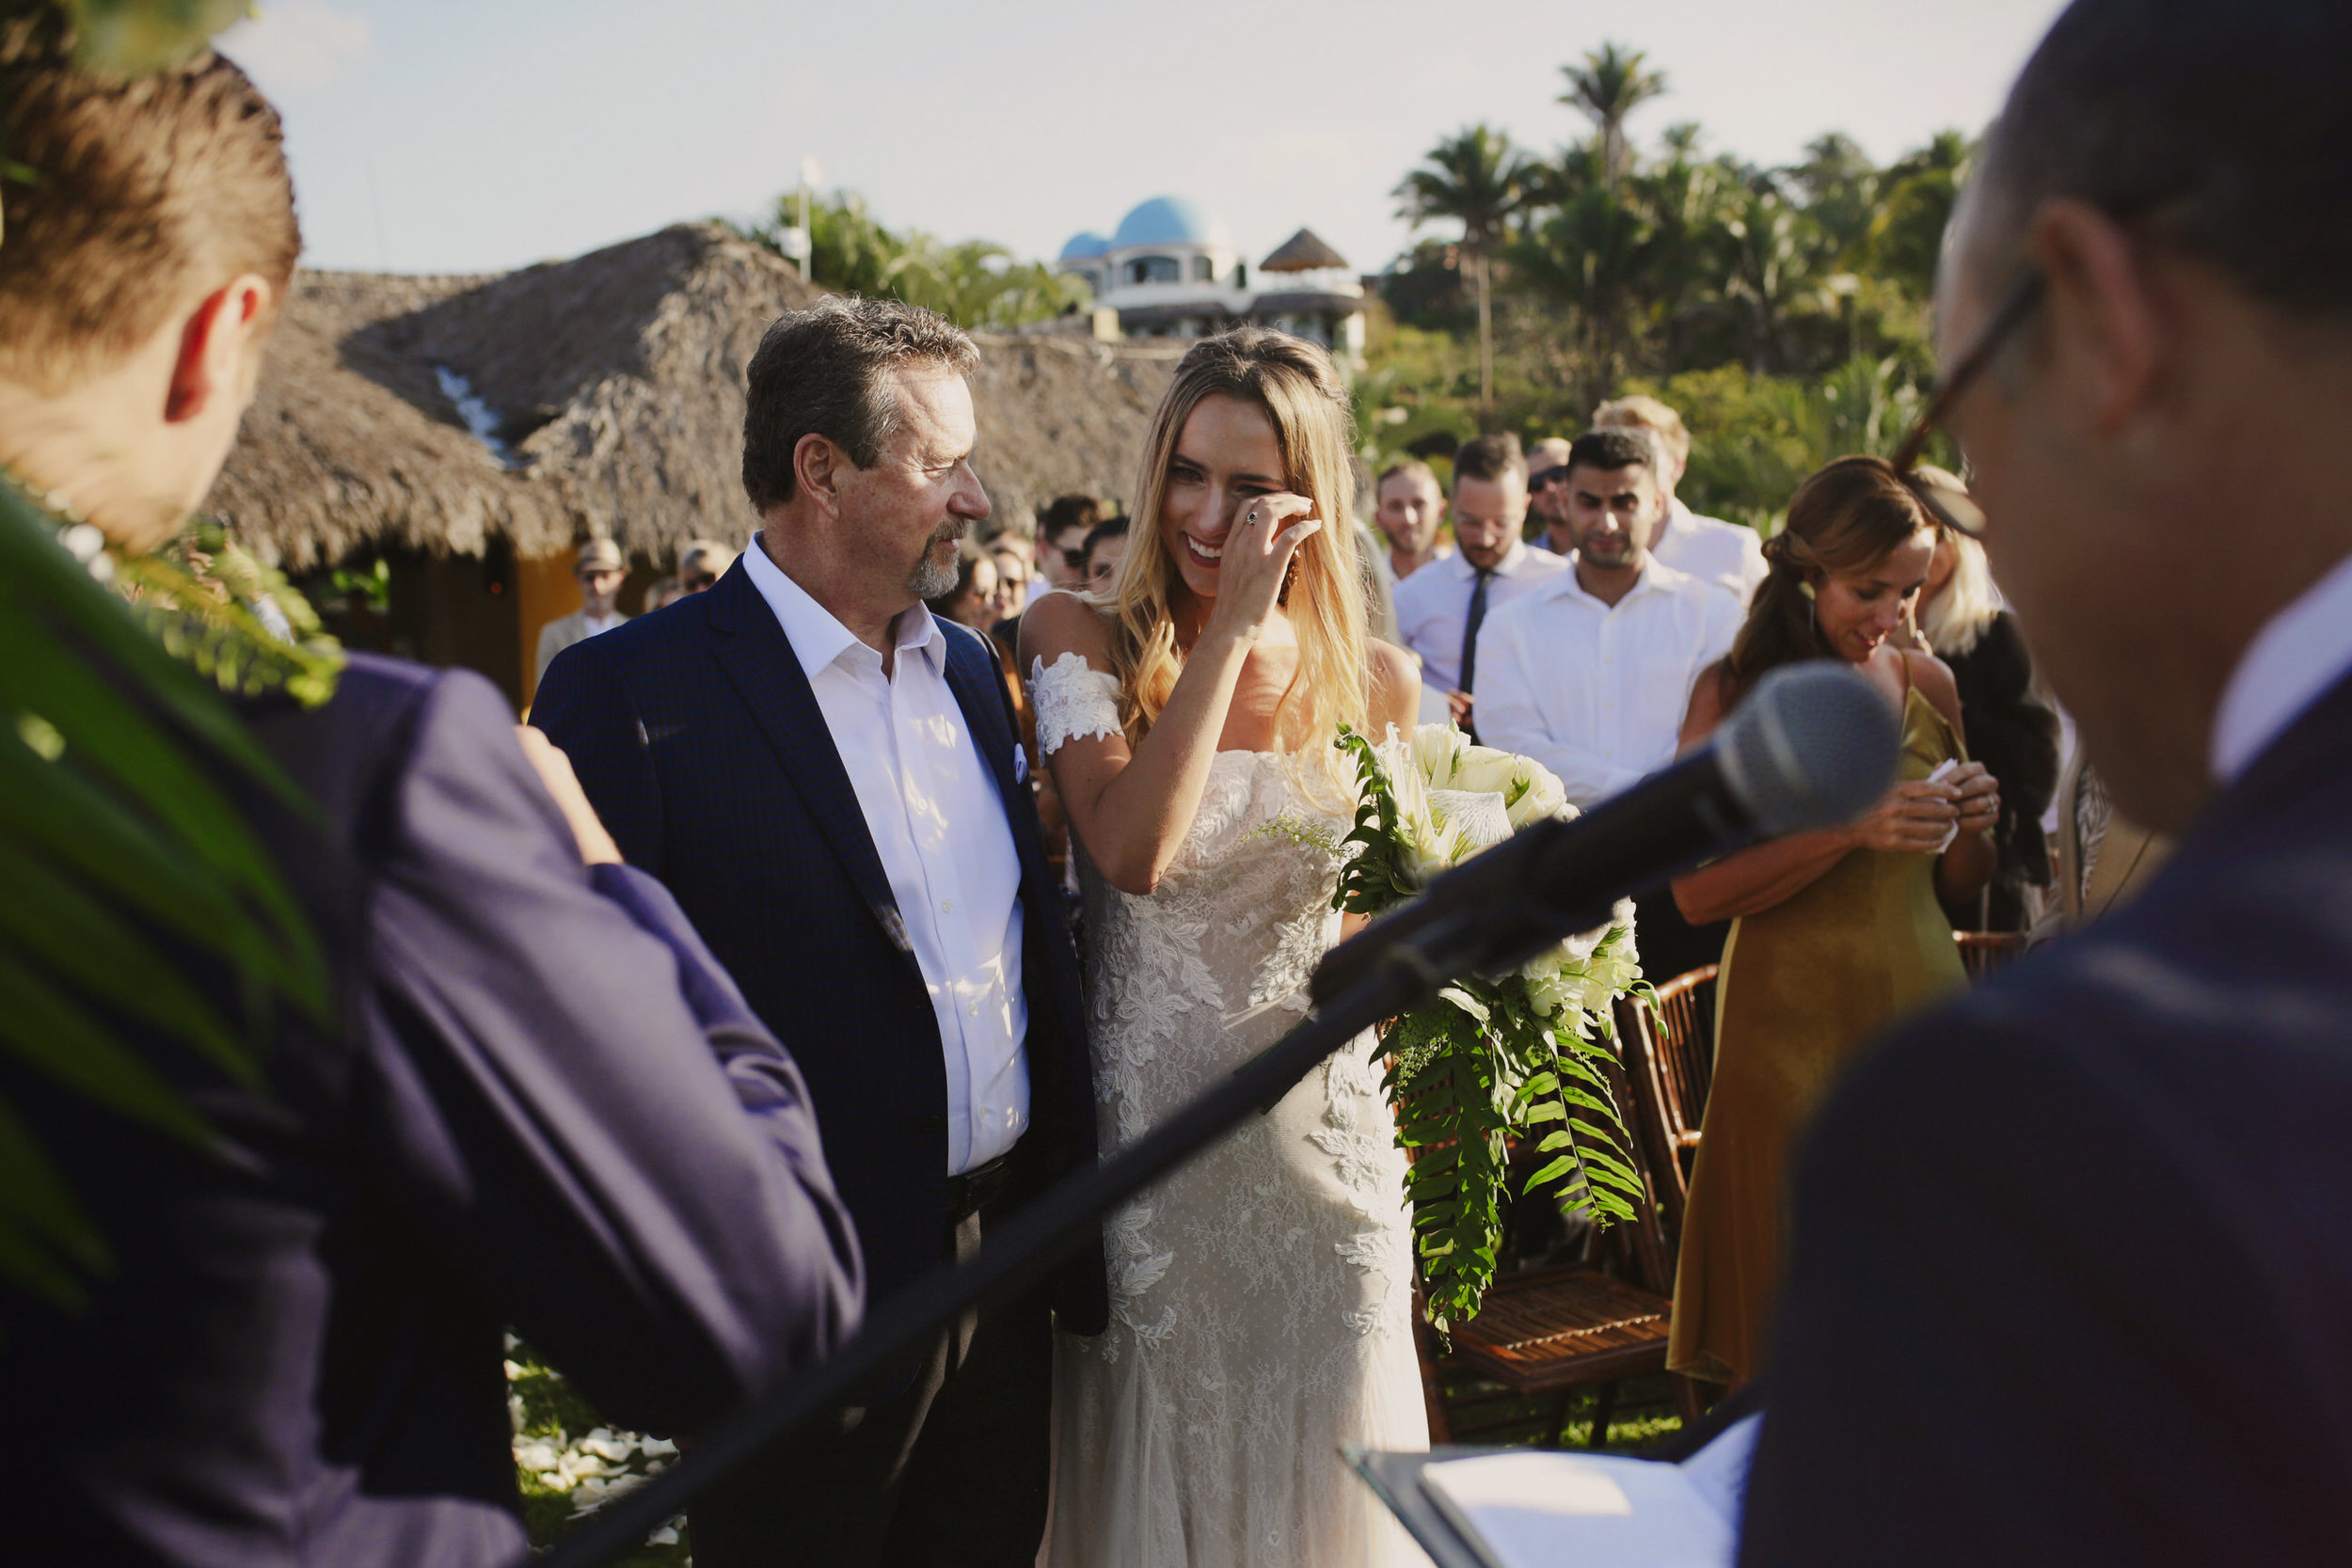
(1226, 942)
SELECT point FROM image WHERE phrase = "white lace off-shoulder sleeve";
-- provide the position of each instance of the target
(1073, 700)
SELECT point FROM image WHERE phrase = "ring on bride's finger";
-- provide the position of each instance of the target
(1253, 516)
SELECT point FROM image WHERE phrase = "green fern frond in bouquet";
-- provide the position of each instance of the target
(1521, 1055)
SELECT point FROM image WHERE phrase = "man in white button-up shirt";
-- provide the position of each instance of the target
(1591, 673)
(939, 828)
(1440, 608)
(1697, 546)
(829, 780)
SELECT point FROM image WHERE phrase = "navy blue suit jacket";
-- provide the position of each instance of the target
(544, 1105)
(2072, 1270)
(696, 735)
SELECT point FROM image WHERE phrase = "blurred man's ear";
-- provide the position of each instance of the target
(220, 344)
(2106, 321)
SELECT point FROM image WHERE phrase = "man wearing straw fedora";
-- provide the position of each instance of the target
(600, 571)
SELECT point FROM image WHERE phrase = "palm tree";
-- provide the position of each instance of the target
(1608, 86)
(1476, 179)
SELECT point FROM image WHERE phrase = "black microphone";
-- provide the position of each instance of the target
(1813, 745)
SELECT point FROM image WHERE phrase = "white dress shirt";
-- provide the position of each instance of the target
(1596, 692)
(598, 625)
(939, 826)
(2299, 653)
(1433, 606)
(1711, 548)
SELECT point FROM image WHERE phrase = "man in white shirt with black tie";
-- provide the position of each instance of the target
(1708, 548)
(1441, 607)
(1590, 673)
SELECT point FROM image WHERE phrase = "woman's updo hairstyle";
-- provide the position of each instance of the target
(1845, 519)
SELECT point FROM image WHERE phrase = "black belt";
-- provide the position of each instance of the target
(977, 1188)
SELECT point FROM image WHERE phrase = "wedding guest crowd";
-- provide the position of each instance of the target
(1441, 606)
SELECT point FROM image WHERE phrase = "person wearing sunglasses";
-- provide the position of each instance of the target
(1061, 541)
(2071, 1275)
(1548, 495)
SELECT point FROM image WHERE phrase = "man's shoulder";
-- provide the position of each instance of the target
(1541, 565)
(1426, 587)
(2221, 995)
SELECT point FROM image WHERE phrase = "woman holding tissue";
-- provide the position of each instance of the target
(1835, 933)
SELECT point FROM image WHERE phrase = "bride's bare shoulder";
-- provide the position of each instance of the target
(1063, 623)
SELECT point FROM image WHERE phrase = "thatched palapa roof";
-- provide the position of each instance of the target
(1305, 252)
(612, 386)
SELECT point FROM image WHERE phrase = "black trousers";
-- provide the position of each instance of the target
(953, 1473)
(1669, 944)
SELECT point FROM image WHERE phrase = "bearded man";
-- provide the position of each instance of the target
(829, 778)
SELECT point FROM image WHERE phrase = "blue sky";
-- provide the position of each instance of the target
(449, 136)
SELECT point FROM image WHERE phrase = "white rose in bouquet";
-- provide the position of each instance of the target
(1483, 769)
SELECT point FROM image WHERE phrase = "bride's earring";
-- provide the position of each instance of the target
(1290, 576)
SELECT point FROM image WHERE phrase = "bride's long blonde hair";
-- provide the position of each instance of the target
(1300, 390)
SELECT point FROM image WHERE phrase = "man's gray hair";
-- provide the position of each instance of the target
(2221, 127)
(825, 371)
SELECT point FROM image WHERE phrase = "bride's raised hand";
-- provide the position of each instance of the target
(1258, 551)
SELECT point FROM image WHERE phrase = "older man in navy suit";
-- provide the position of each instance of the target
(539, 1102)
(829, 779)
(2072, 1278)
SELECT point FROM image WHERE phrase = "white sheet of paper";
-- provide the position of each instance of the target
(1544, 1510)
(1945, 770)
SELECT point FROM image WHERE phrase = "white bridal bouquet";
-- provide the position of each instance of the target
(1488, 1057)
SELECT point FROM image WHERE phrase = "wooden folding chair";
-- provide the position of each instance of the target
(1983, 954)
(1670, 1059)
(1552, 1331)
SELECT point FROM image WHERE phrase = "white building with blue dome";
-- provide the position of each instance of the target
(1169, 270)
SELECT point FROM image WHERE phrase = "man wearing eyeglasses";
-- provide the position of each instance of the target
(2072, 1278)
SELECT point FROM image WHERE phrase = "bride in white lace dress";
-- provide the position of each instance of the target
(1260, 1296)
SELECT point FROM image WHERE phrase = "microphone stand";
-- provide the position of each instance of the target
(1486, 914)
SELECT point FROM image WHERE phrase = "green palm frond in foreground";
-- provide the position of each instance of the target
(117, 834)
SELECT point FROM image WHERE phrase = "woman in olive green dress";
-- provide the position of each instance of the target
(1835, 932)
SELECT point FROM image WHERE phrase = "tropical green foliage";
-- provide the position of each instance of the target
(974, 283)
(1475, 179)
(1792, 303)
(117, 836)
